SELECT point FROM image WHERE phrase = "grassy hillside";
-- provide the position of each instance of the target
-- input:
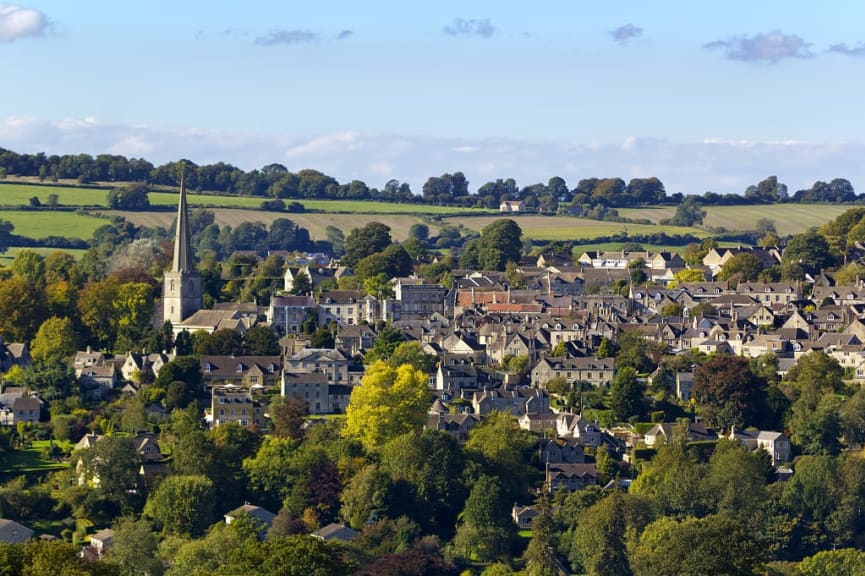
(12, 194)
(346, 214)
(16, 194)
(39, 224)
(789, 218)
(316, 223)
(570, 228)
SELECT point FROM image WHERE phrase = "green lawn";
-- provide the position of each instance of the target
(40, 224)
(30, 460)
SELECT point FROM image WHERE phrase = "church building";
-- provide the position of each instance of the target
(181, 292)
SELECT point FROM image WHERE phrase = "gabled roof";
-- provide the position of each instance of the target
(336, 532)
(12, 532)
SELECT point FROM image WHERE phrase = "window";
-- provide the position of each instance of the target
(238, 368)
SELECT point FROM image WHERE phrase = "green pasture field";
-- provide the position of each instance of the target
(352, 206)
(19, 195)
(16, 194)
(788, 218)
(43, 223)
(571, 228)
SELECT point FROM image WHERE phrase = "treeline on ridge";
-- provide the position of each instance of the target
(276, 181)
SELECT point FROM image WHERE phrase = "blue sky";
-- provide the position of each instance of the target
(706, 96)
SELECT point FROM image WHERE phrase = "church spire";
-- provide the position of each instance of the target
(183, 259)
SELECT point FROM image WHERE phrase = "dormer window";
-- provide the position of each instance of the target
(768, 289)
(238, 368)
(208, 367)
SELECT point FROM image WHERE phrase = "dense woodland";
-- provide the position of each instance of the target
(424, 503)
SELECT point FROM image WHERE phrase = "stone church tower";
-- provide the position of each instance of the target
(181, 291)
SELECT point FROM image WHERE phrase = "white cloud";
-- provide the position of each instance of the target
(627, 32)
(19, 22)
(481, 28)
(714, 163)
(768, 48)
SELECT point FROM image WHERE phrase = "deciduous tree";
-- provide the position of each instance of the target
(388, 402)
(182, 504)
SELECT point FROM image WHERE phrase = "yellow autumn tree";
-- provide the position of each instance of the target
(388, 402)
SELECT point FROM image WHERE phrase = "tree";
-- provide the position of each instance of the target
(672, 481)
(112, 466)
(388, 402)
(412, 353)
(378, 285)
(728, 393)
(336, 237)
(745, 267)
(487, 532)
(540, 554)
(850, 274)
(300, 555)
(386, 341)
(711, 546)
(632, 351)
(809, 251)
(429, 467)
(408, 563)
(499, 244)
(815, 416)
(134, 548)
(372, 238)
(287, 416)
(22, 309)
(260, 341)
(599, 539)
(419, 231)
(223, 342)
(55, 340)
(29, 266)
(637, 270)
(688, 213)
(843, 562)
(735, 481)
(365, 498)
(133, 310)
(672, 310)
(767, 191)
(96, 310)
(181, 369)
(503, 450)
(182, 504)
(626, 395)
(131, 197)
(301, 284)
